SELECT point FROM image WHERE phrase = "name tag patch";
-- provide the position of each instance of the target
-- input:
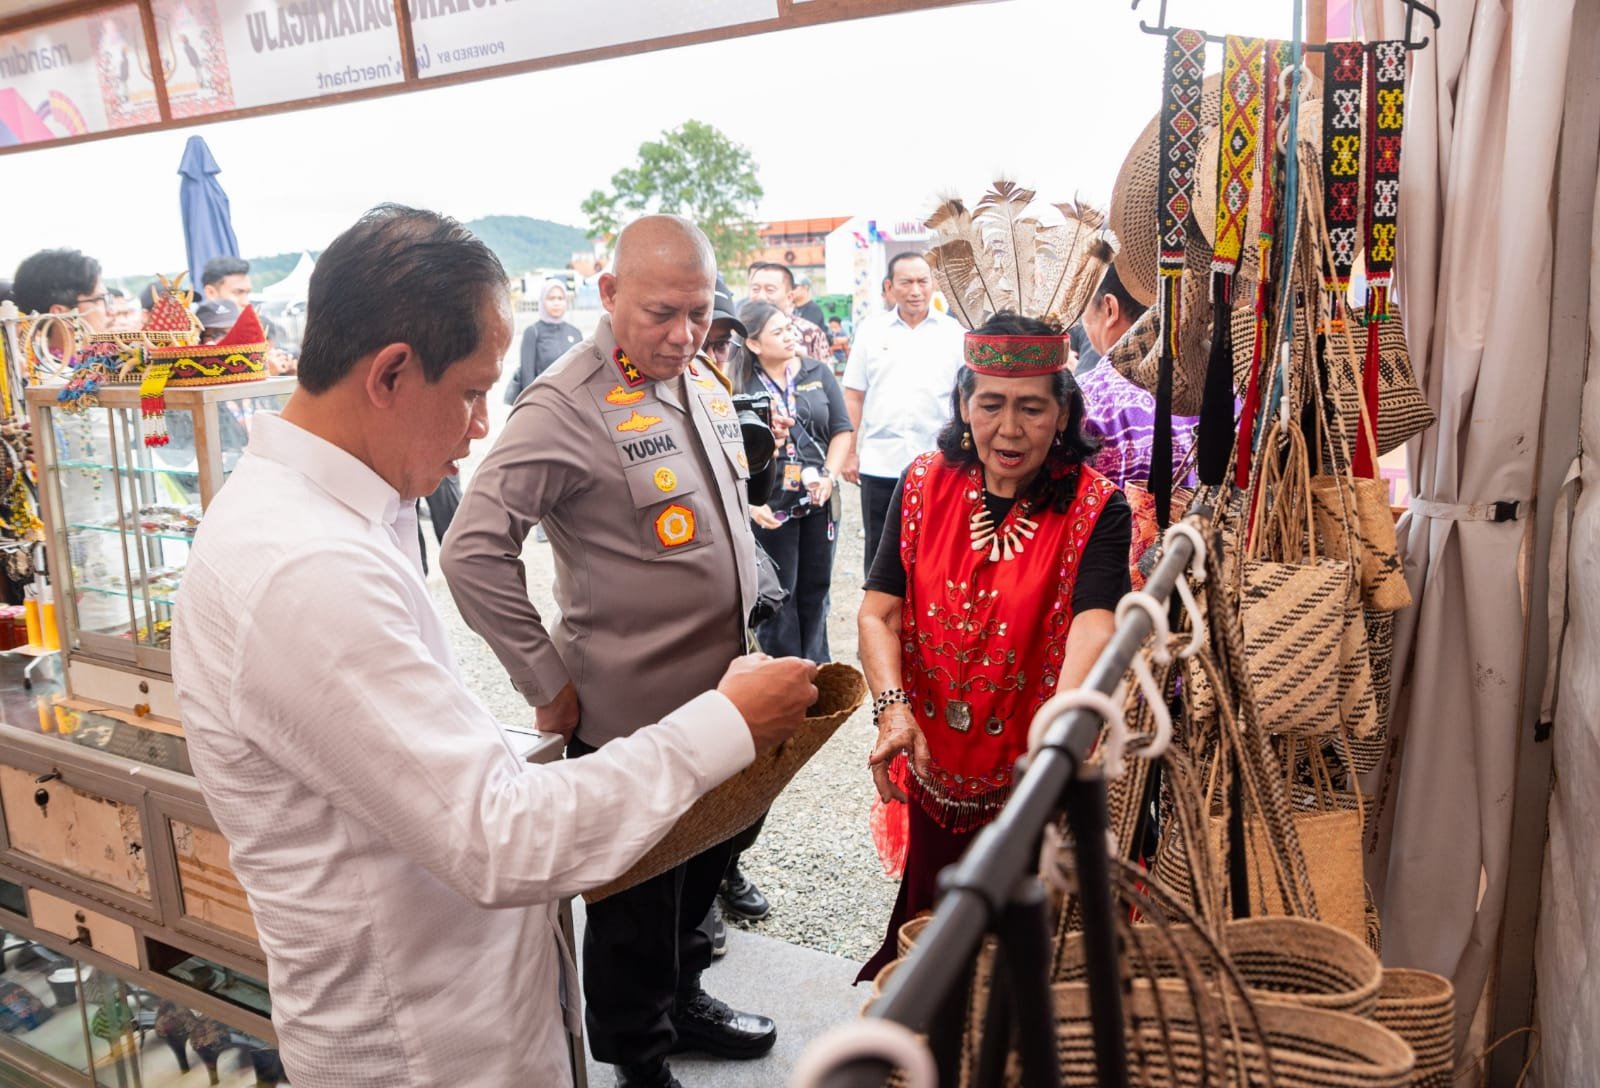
(646, 449)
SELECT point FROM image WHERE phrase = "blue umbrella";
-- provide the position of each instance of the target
(207, 222)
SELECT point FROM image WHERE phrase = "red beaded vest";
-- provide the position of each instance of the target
(982, 640)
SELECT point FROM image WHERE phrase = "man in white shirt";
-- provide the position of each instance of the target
(897, 385)
(402, 865)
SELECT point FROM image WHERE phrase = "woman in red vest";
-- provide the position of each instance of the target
(1002, 560)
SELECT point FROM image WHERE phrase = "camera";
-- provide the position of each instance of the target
(754, 412)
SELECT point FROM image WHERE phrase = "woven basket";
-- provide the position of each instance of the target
(910, 932)
(1291, 960)
(1420, 1007)
(736, 804)
(1171, 1043)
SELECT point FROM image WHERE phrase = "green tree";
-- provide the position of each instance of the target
(694, 171)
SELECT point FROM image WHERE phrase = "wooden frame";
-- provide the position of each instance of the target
(791, 14)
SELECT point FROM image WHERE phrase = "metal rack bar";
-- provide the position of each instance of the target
(987, 891)
(1413, 8)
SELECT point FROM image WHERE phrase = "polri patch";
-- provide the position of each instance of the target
(675, 526)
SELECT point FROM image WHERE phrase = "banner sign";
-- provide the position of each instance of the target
(75, 77)
(457, 35)
(91, 74)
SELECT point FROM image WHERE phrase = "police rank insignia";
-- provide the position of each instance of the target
(675, 526)
(638, 422)
(629, 372)
(619, 395)
(721, 406)
(666, 480)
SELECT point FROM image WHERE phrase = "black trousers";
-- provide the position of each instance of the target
(803, 549)
(876, 492)
(641, 949)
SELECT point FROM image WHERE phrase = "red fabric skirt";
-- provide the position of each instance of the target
(930, 849)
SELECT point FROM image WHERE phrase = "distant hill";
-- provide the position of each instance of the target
(524, 244)
(521, 242)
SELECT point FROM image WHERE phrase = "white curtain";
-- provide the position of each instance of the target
(1483, 117)
(1569, 905)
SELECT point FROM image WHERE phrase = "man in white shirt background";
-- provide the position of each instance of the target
(897, 385)
(403, 865)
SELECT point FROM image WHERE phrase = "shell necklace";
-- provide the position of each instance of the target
(1004, 542)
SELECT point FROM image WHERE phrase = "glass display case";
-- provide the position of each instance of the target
(121, 514)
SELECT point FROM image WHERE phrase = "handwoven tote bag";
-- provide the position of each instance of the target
(1420, 1007)
(1353, 516)
(1294, 603)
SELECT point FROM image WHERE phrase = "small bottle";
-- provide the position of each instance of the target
(47, 618)
(30, 613)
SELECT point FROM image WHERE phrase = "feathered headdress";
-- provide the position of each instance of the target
(999, 258)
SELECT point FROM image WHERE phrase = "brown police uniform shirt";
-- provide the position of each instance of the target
(640, 486)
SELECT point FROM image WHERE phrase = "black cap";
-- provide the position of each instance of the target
(722, 309)
(217, 313)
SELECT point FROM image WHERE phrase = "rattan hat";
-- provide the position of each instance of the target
(1133, 201)
(738, 802)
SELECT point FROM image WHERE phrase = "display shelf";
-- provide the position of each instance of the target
(150, 470)
(165, 597)
(148, 534)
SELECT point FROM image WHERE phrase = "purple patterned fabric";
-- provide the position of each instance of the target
(1123, 417)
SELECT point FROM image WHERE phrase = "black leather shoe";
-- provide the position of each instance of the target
(703, 1023)
(742, 897)
(654, 1074)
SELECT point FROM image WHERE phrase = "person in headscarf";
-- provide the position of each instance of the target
(546, 340)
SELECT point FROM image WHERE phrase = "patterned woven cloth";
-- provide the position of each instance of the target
(1123, 416)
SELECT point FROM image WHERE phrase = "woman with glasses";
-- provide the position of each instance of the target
(796, 525)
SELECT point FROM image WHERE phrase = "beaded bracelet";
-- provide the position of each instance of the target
(887, 699)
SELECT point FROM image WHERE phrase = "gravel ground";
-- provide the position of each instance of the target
(814, 860)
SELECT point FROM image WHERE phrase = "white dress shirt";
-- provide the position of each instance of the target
(401, 863)
(907, 375)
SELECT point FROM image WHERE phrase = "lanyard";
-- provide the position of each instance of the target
(791, 400)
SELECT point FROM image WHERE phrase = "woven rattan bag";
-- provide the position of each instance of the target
(1353, 516)
(1295, 603)
(736, 804)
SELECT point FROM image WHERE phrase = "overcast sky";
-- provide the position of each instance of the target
(872, 117)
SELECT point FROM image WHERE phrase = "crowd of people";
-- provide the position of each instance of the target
(990, 478)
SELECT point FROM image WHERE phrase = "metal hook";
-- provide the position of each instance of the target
(1197, 571)
(1110, 713)
(884, 1040)
(1158, 621)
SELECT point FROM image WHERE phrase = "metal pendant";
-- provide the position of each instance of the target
(958, 715)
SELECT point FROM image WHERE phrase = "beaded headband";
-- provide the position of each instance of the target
(1015, 356)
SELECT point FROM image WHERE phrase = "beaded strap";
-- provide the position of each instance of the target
(887, 699)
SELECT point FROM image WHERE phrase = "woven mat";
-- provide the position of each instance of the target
(736, 804)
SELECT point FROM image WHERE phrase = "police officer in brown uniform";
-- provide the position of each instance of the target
(629, 452)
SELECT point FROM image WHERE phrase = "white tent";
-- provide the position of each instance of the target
(294, 286)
